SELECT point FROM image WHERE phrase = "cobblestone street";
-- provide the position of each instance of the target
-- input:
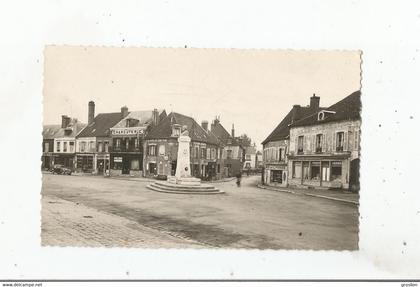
(71, 224)
(97, 211)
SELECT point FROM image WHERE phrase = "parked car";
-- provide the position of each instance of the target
(60, 169)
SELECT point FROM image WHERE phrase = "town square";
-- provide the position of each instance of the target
(162, 172)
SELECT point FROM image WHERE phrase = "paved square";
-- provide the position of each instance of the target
(97, 211)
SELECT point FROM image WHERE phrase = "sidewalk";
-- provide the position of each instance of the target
(336, 195)
(66, 223)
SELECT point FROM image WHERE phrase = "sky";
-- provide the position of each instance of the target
(252, 89)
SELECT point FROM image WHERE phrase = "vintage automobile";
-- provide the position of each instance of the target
(60, 169)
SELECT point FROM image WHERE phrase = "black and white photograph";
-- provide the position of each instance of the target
(196, 148)
(209, 143)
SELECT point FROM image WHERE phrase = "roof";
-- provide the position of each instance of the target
(164, 129)
(223, 135)
(49, 131)
(144, 117)
(346, 109)
(101, 125)
(73, 129)
(282, 130)
(219, 131)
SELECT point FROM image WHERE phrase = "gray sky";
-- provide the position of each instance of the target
(254, 89)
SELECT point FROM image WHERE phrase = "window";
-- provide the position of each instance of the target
(276, 176)
(127, 144)
(229, 154)
(162, 149)
(208, 155)
(218, 168)
(100, 147)
(176, 131)
(136, 143)
(305, 170)
(71, 145)
(64, 146)
(134, 164)
(196, 152)
(325, 171)
(296, 170)
(82, 146)
(46, 147)
(280, 154)
(247, 157)
(58, 146)
(340, 141)
(315, 170)
(117, 143)
(300, 145)
(318, 143)
(203, 152)
(106, 146)
(152, 149)
(336, 170)
(213, 153)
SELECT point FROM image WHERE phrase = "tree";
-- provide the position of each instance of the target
(245, 140)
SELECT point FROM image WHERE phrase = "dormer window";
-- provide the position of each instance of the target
(176, 130)
(322, 115)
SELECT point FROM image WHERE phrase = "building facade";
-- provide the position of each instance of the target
(276, 145)
(250, 162)
(325, 147)
(161, 148)
(233, 153)
(128, 137)
(65, 142)
(94, 141)
(48, 134)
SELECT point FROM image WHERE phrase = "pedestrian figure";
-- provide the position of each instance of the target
(238, 179)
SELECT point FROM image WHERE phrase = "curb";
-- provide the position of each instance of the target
(309, 194)
(275, 189)
(332, 198)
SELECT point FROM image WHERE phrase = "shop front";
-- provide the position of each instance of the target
(323, 172)
(85, 162)
(126, 164)
(66, 160)
(275, 175)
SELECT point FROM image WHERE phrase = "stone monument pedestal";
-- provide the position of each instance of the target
(183, 182)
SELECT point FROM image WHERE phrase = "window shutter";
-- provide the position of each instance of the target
(346, 142)
(313, 143)
(334, 142)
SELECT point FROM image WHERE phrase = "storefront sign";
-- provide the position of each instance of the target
(117, 159)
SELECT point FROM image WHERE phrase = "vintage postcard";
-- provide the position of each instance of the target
(201, 148)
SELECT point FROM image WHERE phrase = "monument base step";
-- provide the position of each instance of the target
(169, 187)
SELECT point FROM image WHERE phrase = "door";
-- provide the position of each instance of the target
(125, 166)
(173, 167)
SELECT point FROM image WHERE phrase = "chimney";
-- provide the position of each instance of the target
(205, 125)
(91, 112)
(314, 102)
(155, 117)
(124, 111)
(233, 130)
(65, 121)
(294, 113)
